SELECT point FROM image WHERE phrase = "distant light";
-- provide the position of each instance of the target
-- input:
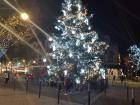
(23, 60)
(24, 16)
(26, 70)
(34, 62)
(89, 28)
(44, 60)
(48, 67)
(102, 72)
(82, 71)
(10, 62)
(19, 63)
(65, 72)
(70, 55)
(77, 80)
(50, 39)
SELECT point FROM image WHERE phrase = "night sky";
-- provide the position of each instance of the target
(120, 19)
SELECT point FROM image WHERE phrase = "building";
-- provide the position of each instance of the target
(112, 59)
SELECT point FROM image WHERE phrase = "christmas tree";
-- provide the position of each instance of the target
(76, 47)
(134, 56)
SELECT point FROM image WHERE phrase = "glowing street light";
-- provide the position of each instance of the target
(23, 60)
(65, 73)
(24, 16)
(34, 61)
(44, 60)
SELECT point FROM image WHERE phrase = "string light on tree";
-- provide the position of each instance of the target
(134, 56)
(77, 46)
(19, 26)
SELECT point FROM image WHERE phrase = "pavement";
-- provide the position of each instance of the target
(115, 95)
(9, 97)
(75, 96)
(118, 96)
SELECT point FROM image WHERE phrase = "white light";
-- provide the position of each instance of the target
(73, 32)
(77, 80)
(79, 7)
(77, 42)
(102, 72)
(24, 16)
(44, 60)
(50, 39)
(89, 49)
(89, 28)
(82, 37)
(84, 45)
(91, 15)
(86, 21)
(59, 21)
(34, 62)
(54, 48)
(70, 55)
(49, 72)
(57, 28)
(82, 71)
(65, 72)
(48, 67)
(93, 40)
(19, 63)
(97, 64)
(26, 70)
(74, 21)
(53, 55)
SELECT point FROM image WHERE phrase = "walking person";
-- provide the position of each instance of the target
(66, 86)
(114, 78)
(6, 77)
(122, 78)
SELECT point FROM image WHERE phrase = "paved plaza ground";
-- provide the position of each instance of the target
(10, 97)
(115, 95)
(118, 96)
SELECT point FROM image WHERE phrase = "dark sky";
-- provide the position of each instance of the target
(120, 19)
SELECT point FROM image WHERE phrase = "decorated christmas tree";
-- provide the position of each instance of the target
(134, 56)
(76, 48)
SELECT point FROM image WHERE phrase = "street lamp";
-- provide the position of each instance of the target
(23, 60)
(34, 62)
(44, 60)
(24, 16)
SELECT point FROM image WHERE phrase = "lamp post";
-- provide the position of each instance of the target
(1, 67)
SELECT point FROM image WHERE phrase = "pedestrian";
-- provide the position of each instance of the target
(114, 78)
(7, 77)
(66, 86)
(122, 78)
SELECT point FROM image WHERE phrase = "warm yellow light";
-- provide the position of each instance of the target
(23, 60)
(34, 62)
(10, 62)
(24, 16)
